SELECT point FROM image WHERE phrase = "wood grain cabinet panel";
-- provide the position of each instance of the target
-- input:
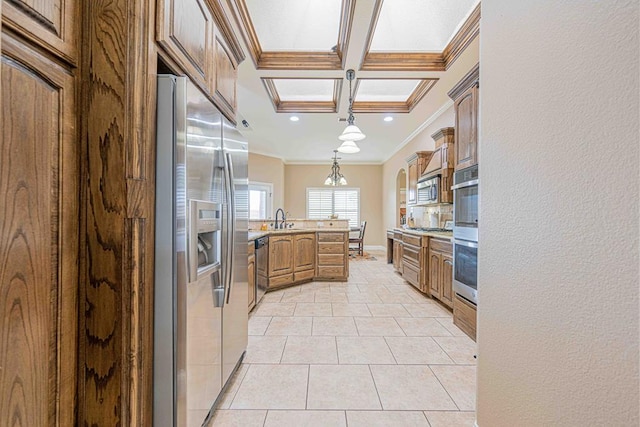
(441, 271)
(416, 165)
(280, 255)
(447, 280)
(251, 271)
(332, 256)
(304, 247)
(465, 101)
(226, 75)
(52, 24)
(185, 30)
(38, 239)
(434, 273)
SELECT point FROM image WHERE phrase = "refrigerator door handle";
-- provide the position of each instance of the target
(232, 219)
(229, 225)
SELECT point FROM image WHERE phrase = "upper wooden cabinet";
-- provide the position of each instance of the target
(416, 165)
(185, 30)
(197, 35)
(465, 97)
(52, 24)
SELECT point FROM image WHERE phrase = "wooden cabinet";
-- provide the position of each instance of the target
(397, 251)
(39, 237)
(333, 256)
(251, 274)
(464, 316)
(280, 260)
(51, 24)
(416, 165)
(465, 98)
(414, 252)
(441, 270)
(442, 162)
(197, 35)
(304, 248)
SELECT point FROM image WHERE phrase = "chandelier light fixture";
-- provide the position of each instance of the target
(335, 178)
(351, 133)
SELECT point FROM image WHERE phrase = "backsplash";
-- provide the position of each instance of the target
(422, 215)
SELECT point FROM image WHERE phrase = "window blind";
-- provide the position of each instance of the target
(344, 202)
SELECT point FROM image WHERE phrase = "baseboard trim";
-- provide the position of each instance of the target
(374, 248)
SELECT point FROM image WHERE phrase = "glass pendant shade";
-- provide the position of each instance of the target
(343, 181)
(351, 133)
(349, 147)
(327, 181)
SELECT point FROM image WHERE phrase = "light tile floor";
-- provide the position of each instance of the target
(369, 352)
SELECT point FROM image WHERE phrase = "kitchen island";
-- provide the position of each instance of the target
(299, 255)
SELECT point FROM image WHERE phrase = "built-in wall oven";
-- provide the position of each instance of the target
(465, 204)
(465, 269)
(465, 233)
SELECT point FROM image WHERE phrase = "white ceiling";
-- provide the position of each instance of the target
(305, 89)
(315, 135)
(396, 90)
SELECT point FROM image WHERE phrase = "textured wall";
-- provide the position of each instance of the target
(558, 257)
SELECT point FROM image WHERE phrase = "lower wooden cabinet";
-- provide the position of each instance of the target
(251, 278)
(292, 259)
(333, 256)
(414, 261)
(441, 271)
(464, 316)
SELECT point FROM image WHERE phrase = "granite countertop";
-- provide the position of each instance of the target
(256, 234)
(446, 235)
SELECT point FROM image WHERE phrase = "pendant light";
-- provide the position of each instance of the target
(351, 132)
(349, 147)
(335, 177)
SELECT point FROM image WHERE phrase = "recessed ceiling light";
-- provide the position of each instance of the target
(294, 118)
(388, 119)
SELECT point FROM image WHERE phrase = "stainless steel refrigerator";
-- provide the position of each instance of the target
(201, 289)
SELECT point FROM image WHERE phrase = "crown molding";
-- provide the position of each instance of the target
(281, 106)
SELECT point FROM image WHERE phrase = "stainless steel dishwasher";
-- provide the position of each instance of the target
(262, 266)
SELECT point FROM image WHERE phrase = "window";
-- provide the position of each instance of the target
(260, 200)
(344, 202)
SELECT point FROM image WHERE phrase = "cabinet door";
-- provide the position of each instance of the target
(413, 182)
(185, 31)
(39, 180)
(252, 280)
(225, 77)
(446, 280)
(304, 250)
(434, 273)
(466, 107)
(280, 255)
(53, 24)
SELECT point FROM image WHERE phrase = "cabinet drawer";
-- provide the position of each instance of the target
(331, 237)
(331, 248)
(412, 253)
(397, 235)
(441, 245)
(281, 280)
(411, 274)
(303, 275)
(328, 272)
(412, 240)
(324, 259)
(464, 316)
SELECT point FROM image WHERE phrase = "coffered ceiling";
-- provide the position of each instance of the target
(406, 53)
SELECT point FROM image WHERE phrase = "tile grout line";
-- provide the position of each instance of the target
(390, 350)
(443, 387)
(376, 387)
(306, 400)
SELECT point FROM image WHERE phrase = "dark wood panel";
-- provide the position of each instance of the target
(38, 240)
(52, 24)
(117, 266)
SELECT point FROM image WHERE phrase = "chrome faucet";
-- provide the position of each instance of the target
(282, 224)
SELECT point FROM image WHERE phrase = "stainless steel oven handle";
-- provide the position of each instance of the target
(465, 243)
(465, 184)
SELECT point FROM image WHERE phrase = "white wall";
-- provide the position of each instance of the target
(270, 170)
(558, 258)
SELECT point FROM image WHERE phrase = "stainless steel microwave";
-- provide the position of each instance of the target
(428, 191)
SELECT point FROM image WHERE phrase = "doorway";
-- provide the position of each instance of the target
(401, 198)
